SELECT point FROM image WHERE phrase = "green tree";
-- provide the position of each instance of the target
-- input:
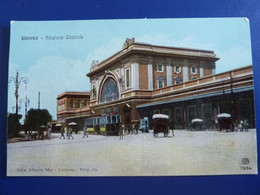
(13, 125)
(37, 118)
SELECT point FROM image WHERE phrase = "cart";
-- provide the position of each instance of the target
(224, 122)
(161, 124)
(196, 124)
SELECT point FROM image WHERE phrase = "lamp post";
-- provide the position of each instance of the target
(20, 106)
(232, 103)
(17, 81)
(27, 103)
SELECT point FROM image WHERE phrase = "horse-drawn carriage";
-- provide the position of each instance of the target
(196, 124)
(224, 122)
(161, 124)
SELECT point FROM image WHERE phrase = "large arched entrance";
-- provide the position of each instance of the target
(109, 91)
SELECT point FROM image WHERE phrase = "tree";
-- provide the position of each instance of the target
(37, 118)
(13, 125)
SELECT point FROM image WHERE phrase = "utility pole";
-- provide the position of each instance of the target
(39, 100)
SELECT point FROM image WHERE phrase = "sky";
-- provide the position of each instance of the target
(56, 66)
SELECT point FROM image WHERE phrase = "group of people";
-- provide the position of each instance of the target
(69, 131)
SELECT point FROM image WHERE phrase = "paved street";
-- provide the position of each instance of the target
(186, 153)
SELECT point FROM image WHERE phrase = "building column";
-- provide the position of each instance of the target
(150, 77)
(185, 74)
(169, 75)
(201, 73)
(135, 76)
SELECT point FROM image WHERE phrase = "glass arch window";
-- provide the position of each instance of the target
(110, 91)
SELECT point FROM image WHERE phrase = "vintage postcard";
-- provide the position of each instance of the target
(135, 97)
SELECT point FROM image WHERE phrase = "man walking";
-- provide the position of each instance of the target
(62, 133)
(85, 130)
(49, 132)
(121, 132)
(70, 130)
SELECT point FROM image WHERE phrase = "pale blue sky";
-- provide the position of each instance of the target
(61, 65)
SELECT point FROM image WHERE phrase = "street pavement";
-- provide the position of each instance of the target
(186, 153)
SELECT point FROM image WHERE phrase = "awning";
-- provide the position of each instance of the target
(212, 94)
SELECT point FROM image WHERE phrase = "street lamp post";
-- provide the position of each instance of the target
(20, 106)
(27, 102)
(17, 81)
(232, 103)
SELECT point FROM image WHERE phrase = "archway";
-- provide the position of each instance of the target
(109, 91)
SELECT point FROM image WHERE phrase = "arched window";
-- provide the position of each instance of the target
(160, 82)
(110, 91)
(194, 78)
(178, 80)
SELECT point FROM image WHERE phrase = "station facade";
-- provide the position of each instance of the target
(142, 79)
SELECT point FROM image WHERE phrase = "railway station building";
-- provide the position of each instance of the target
(142, 79)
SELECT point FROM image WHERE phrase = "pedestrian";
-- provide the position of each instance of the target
(245, 126)
(216, 123)
(146, 127)
(85, 130)
(49, 132)
(70, 130)
(62, 133)
(66, 129)
(121, 132)
(136, 128)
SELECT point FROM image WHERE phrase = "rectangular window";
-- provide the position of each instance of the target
(118, 119)
(193, 70)
(160, 84)
(71, 103)
(127, 78)
(108, 110)
(102, 111)
(78, 104)
(85, 103)
(159, 68)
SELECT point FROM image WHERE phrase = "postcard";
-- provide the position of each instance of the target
(134, 97)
